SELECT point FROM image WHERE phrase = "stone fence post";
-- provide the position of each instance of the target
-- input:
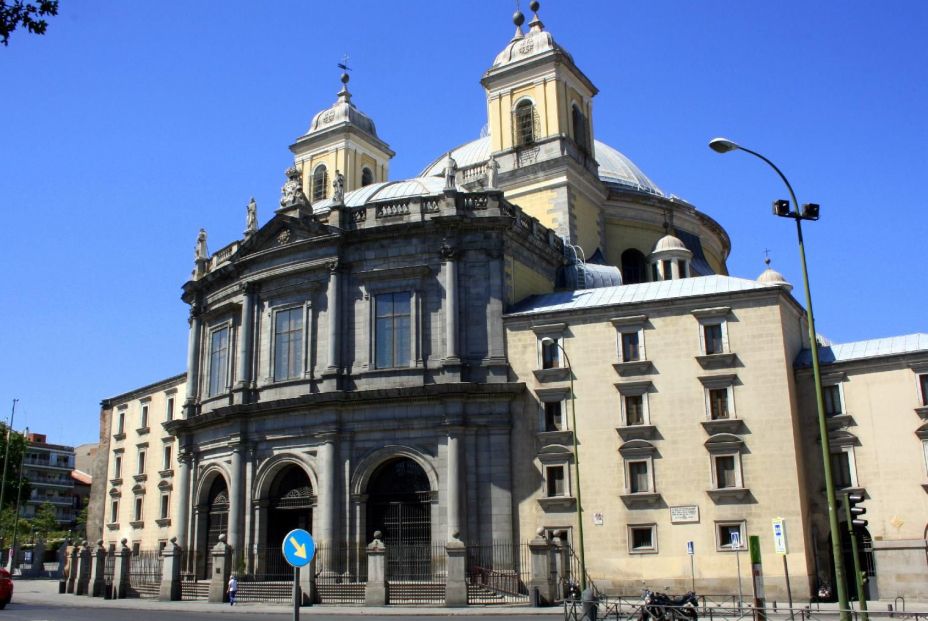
(376, 592)
(121, 570)
(37, 569)
(72, 568)
(170, 572)
(308, 583)
(63, 567)
(222, 562)
(456, 585)
(83, 570)
(544, 569)
(97, 568)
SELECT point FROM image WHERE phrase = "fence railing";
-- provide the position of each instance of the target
(341, 574)
(417, 574)
(145, 573)
(498, 573)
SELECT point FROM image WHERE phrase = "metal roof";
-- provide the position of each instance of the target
(862, 350)
(420, 186)
(563, 301)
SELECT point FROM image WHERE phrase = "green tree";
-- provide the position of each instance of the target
(28, 14)
(14, 472)
(45, 520)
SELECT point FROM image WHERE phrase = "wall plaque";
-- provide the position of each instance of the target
(686, 514)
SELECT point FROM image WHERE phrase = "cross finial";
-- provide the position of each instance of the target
(767, 256)
(344, 64)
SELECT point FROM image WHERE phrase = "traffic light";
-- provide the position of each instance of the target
(856, 511)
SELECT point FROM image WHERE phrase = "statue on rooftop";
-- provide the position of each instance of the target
(338, 187)
(200, 252)
(492, 170)
(451, 171)
(251, 218)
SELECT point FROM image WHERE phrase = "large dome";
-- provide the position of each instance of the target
(613, 166)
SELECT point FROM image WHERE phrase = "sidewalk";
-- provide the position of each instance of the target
(46, 592)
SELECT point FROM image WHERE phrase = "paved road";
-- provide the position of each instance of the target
(56, 612)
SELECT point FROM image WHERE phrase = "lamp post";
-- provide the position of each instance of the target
(547, 342)
(810, 211)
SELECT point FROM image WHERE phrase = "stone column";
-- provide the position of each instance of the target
(454, 484)
(193, 359)
(236, 506)
(182, 496)
(72, 568)
(326, 501)
(121, 570)
(334, 317)
(456, 586)
(376, 592)
(543, 569)
(246, 339)
(451, 305)
(83, 570)
(248, 533)
(170, 572)
(220, 576)
(97, 567)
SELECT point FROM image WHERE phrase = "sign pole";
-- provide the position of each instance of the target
(691, 550)
(296, 594)
(789, 591)
(736, 544)
(779, 546)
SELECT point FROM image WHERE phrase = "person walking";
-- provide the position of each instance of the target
(233, 588)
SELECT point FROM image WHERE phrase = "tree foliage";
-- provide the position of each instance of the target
(14, 472)
(25, 13)
(45, 520)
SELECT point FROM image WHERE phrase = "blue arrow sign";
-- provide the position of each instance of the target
(298, 547)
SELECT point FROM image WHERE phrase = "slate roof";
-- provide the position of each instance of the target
(629, 294)
(863, 350)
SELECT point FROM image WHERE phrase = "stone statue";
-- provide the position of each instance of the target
(251, 218)
(201, 253)
(338, 187)
(451, 171)
(492, 170)
(291, 194)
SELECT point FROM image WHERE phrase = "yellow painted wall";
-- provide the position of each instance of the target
(332, 162)
(586, 218)
(621, 237)
(526, 281)
(538, 205)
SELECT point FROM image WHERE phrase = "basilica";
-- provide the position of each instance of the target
(529, 337)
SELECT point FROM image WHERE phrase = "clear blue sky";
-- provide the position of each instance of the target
(132, 124)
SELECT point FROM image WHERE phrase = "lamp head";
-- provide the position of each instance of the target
(722, 145)
(547, 340)
(781, 208)
(810, 211)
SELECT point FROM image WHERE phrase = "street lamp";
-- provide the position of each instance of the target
(809, 211)
(547, 342)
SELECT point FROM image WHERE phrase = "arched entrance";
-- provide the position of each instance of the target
(289, 505)
(633, 267)
(216, 512)
(399, 505)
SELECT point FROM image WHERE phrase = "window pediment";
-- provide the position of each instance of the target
(630, 321)
(551, 329)
(637, 448)
(842, 438)
(634, 388)
(724, 443)
(547, 395)
(718, 381)
(716, 312)
(922, 432)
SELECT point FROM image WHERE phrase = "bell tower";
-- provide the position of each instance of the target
(539, 115)
(341, 139)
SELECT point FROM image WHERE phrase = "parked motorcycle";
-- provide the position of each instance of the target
(662, 607)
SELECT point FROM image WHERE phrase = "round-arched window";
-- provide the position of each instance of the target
(524, 122)
(320, 182)
(367, 177)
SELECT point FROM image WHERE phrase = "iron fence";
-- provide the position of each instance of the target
(145, 573)
(341, 574)
(417, 573)
(497, 573)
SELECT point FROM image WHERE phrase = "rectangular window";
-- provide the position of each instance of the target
(923, 384)
(642, 539)
(718, 404)
(117, 467)
(218, 361)
(554, 415)
(712, 333)
(681, 265)
(832, 397)
(655, 276)
(668, 269)
(136, 548)
(726, 471)
(639, 477)
(630, 348)
(167, 458)
(143, 419)
(550, 354)
(634, 410)
(165, 506)
(730, 536)
(121, 426)
(556, 483)
(141, 462)
(392, 330)
(841, 470)
(114, 511)
(138, 508)
(288, 344)
(169, 412)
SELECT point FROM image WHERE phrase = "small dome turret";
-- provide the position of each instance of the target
(772, 277)
(670, 259)
(342, 113)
